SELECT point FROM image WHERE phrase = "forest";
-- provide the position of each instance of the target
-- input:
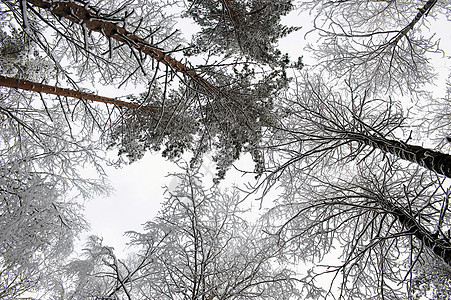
(347, 144)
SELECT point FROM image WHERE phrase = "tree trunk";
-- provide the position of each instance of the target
(80, 15)
(421, 12)
(440, 247)
(48, 89)
(430, 159)
(228, 6)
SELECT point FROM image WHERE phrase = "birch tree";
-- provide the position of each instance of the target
(200, 246)
(383, 221)
(40, 161)
(384, 45)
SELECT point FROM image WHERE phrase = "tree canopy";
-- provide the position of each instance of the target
(354, 142)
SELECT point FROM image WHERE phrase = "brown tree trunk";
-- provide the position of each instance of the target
(80, 15)
(228, 5)
(48, 89)
(430, 159)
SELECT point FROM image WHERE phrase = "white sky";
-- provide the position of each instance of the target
(138, 187)
(135, 199)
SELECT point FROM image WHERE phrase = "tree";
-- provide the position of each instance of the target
(379, 44)
(377, 48)
(361, 52)
(389, 217)
(199, 247)
(41, 154)
(38, 226)
(335, 152)
(54, 139)
(249, 28)
(321, 126)
(385, 221)
(63, 92)
(227, 99)
(73, 41)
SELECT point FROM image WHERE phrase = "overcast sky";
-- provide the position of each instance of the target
(138, 187)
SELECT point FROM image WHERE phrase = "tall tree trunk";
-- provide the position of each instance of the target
(430, 159)
(80, 15)
(440, 247)
(231, 12)
(421, 13)
(48, 89)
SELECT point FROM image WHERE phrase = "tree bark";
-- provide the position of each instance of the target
(228, 5)
(430, 159)
(421, 12)
(440, 247)
(48, 89)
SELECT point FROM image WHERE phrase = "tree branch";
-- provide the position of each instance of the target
(422, 12)
(48, 89)
(80, 15)
(427, 158)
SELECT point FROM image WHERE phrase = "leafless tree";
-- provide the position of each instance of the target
(382, 220)
(343, 158)
(199, 247)
(41, 154)
(321, 126)
(384, 45)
